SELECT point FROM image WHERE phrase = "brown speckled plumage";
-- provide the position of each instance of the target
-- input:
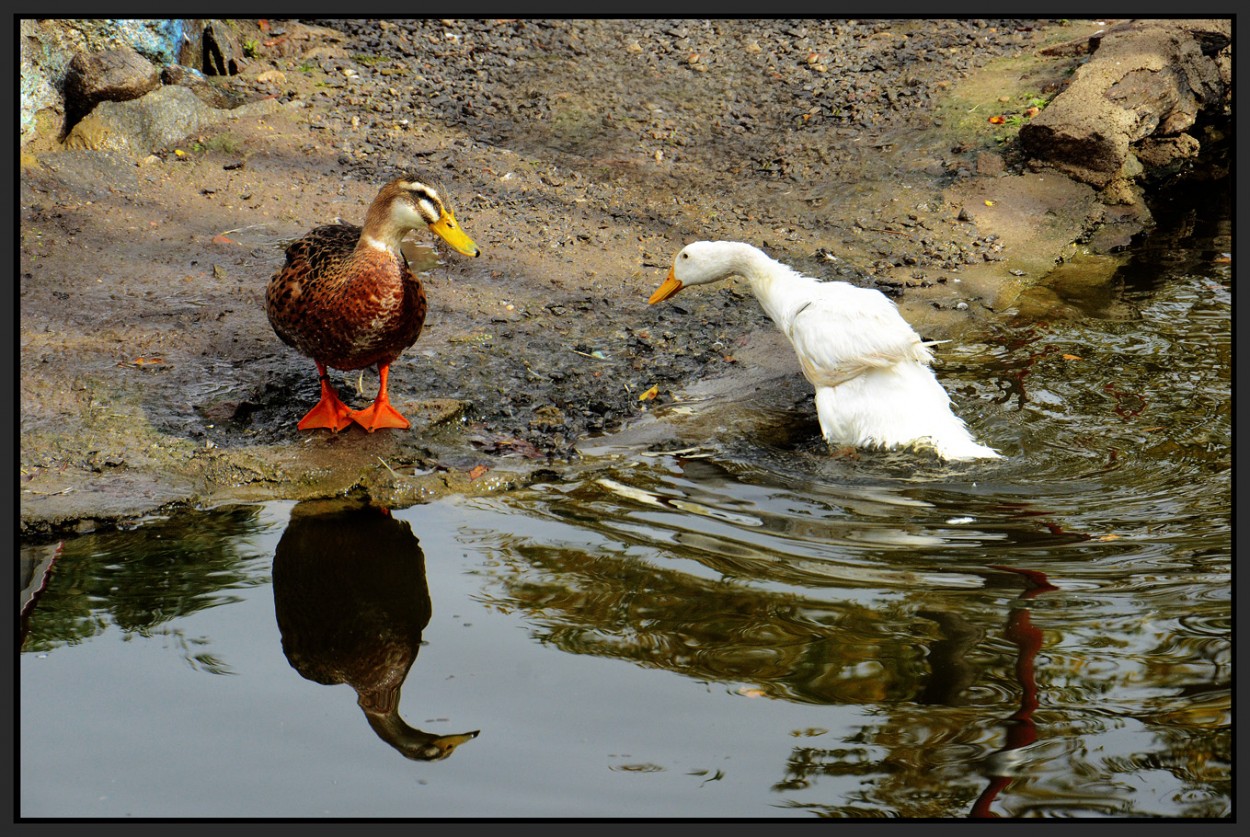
(346, 298)
(346, 307)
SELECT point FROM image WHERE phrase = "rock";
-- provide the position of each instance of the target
(159, 119)
(211, 47)
(116, 75)
(1167, 152)
(197, 83)
(1119, 225)
(1146, 79)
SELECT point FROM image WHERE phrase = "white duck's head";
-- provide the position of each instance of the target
(701, 262)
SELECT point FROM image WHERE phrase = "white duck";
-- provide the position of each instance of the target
(874, 385)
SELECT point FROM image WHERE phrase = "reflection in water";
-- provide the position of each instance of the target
(844, 584)
(351, 599)
(1004, 765)
(144, 581)
(35, 566)
(950, 659)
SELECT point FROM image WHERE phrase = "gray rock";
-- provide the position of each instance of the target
(159, 119)
(195, 81)
(115, 75)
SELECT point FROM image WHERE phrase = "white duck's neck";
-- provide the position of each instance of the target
(780, 289)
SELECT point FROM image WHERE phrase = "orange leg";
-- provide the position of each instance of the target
(380, 413)
(330, 412)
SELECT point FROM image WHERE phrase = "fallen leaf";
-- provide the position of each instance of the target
(1031, 112)
(996, 120)
(989, 203)
(1112, 537)
(221, 239)
(476, 471)
(649, 394)
(178, 152)
(751, 693)
(1072, 357)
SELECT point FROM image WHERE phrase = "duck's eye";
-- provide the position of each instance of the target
(685, 255)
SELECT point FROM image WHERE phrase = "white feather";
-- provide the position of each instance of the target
(874, 384)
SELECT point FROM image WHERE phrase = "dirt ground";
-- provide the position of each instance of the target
(580, 155)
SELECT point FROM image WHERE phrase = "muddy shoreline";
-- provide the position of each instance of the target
(580, 155)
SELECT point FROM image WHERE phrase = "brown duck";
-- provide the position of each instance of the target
(347, 299)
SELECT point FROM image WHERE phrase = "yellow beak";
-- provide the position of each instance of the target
(450, 231)
(446, 744)
(671, 286)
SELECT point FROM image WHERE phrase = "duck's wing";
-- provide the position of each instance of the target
(310, 258)
(840, 335)
(320, 250)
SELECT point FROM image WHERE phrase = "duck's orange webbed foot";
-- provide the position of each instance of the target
(380, 413)
(330, 412)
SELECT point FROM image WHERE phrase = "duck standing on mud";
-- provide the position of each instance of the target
(347, 299)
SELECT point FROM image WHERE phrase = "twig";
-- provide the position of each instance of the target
(241, 229)
(688, 453)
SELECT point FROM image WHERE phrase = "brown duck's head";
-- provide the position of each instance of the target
(407, 203)
(382, 712)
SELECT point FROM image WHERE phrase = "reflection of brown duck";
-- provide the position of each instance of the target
(352, 600)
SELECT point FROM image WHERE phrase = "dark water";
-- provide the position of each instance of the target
(748, 629)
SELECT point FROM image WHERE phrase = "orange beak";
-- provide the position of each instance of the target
(671, 286)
